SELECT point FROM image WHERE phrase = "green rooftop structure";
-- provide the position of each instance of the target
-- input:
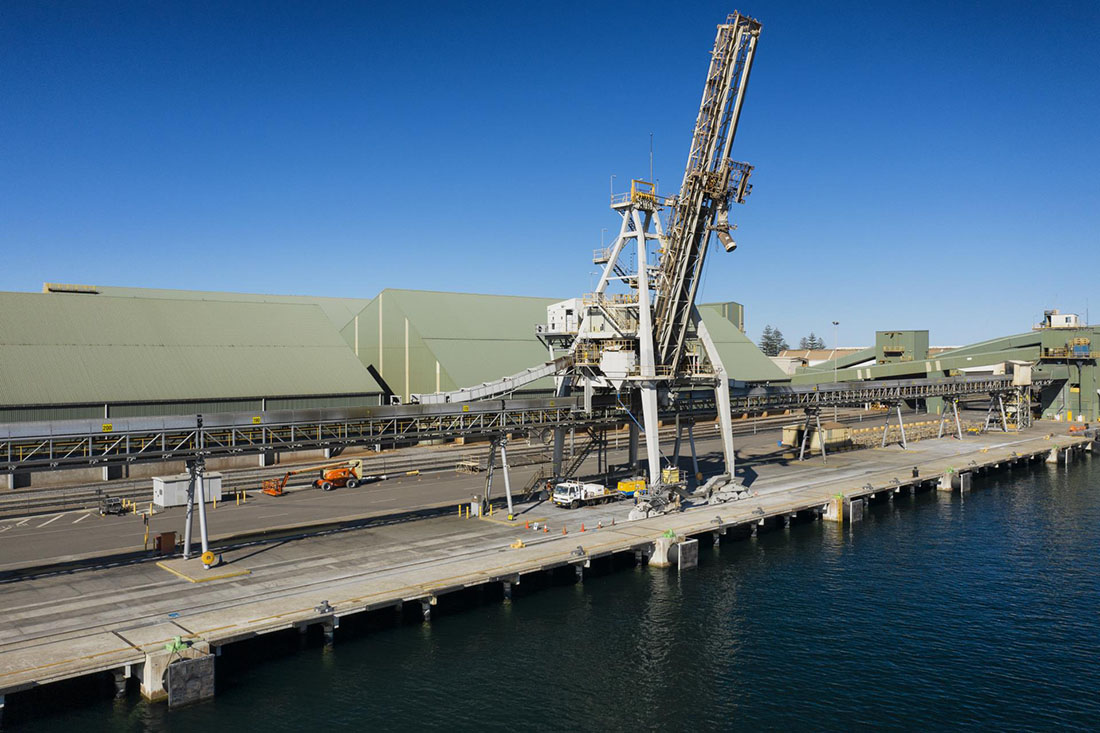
(1068, 354)
(90, 355)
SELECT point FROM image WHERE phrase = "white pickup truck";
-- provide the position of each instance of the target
(573, 494)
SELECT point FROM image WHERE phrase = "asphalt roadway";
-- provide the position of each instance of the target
(56, 539)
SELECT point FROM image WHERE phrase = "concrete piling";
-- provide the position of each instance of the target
(329, 628)
(120, 676)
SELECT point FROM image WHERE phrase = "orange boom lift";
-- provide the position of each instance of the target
(347, 474)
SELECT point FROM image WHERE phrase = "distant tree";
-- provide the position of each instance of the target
(811, 342)
(780, 342)
(772, 341)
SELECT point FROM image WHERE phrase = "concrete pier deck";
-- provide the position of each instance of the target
(72, 624)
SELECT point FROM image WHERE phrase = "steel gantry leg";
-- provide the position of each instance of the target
(196, 494)
(676, 445)
(901, 427)
(632, 445)
(188, 520)
(489, 471)
(200, 491)
(810, 414)
(951, 404)
(694, 456)
(563, 389)
(821, 437)
(647, 358)
(721, 393)
(507, 482)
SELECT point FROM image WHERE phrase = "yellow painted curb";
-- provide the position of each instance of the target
(205, 578)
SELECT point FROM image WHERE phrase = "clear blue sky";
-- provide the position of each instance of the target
(918, 165)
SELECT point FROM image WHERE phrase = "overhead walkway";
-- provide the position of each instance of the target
(497, 387)
(39, 446)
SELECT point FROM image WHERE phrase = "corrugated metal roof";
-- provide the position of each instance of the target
(476, 338)
(69, 348)
(339, 310)
(741, 357)
(470, 316)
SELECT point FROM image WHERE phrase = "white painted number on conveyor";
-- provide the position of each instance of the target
(50, 520)
(81, 518)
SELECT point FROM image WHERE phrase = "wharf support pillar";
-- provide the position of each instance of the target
(669, 551)
(841, 509)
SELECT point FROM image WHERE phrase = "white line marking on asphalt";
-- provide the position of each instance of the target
(21, 523)
(59, 516)
(6, 527)
(81, 519)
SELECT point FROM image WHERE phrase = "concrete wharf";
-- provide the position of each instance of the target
(118, 619)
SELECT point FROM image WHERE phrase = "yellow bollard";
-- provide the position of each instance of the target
(215, 502)
(490, 510)
(238, 498)
(460, 511)
(467, 512)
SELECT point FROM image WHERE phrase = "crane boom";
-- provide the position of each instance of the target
(711, 181)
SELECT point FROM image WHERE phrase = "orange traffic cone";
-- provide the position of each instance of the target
(527, 525)
(546, 528)
(563, 531)
(582, 526)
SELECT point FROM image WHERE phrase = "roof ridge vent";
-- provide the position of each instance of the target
(67, 288)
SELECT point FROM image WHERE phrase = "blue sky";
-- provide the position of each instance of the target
(918, 165)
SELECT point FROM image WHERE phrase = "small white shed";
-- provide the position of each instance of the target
(172, 490)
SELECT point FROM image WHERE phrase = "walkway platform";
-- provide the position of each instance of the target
(77, 623)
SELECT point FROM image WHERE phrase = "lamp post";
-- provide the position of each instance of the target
(836, 343)
(612, 185)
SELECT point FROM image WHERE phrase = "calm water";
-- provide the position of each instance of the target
(981, 613)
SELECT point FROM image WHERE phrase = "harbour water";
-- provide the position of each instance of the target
(979, 611)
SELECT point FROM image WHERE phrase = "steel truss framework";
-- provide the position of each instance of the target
(76, 444)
